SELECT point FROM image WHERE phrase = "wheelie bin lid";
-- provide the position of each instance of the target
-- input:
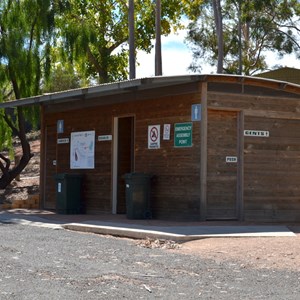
(60, 176)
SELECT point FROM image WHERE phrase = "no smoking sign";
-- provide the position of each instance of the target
(154, 137)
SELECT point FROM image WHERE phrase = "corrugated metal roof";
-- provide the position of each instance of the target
(284, 74)
(147, 84)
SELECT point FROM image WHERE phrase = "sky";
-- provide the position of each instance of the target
(176, 57)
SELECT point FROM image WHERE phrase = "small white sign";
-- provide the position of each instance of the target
(154, 137)
(63, 141)
(167, 132)
(59, 187)
(231, 159)
(103, 138)
(256, 133)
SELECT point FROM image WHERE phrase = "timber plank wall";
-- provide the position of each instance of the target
(271, 166)
(175, 187)
(265, 181)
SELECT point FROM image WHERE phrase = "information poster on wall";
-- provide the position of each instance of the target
(82, 150)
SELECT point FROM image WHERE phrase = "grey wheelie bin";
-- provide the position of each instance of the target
(68, 193)
(138, 195)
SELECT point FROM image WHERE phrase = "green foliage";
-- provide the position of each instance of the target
(266, 25)
(5, 134)
(96, 33)
(26, 27)
(62, 77)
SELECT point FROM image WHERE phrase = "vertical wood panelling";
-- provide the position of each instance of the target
(240, 166)
(203, 154)
(49, 195)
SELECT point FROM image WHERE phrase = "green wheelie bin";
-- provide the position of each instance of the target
(68, 193)
(138, 195)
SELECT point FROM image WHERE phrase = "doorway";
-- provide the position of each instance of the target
(123, 160)
(222, 165)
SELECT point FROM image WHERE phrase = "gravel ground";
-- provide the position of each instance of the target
(43, 263)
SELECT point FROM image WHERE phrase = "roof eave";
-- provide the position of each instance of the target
(149, 83)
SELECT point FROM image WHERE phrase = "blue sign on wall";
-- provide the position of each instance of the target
(196, 112)
(60, 126)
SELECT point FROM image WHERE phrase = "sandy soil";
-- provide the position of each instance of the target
(271, 252)
(29, 178)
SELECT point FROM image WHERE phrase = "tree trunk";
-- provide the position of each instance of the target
(158, 59)
(8, 175)
(219, 31)
(131, 40)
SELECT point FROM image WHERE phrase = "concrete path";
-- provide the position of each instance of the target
(179, 233)
(134, 228)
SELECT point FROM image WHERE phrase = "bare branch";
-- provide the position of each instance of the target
(2, 167)
(290, 37)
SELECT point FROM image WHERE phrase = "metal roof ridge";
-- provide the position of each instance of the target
(145, 82)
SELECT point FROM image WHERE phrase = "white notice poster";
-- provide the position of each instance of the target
(82, 150)
(167, 132)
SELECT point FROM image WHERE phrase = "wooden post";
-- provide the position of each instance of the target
(203, 158)
(43, 169)
(240, 171)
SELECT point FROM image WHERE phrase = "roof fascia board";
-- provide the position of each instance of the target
(150, 83)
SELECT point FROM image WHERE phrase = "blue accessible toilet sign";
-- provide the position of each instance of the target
(196, 112)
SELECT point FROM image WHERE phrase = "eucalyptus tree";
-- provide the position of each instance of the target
(216, 4)
(25, 38)
(271, 25)
(95, 33)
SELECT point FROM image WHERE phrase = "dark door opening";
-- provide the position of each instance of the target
(125, 158)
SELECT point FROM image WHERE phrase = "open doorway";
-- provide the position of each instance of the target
(123, 160)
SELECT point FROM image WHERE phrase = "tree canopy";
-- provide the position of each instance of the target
(264, 25)
(96, 33)
(48, 45)
(25, 30)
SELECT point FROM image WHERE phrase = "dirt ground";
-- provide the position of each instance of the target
(28, 183)
(264, 253)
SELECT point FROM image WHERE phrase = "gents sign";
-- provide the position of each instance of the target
(256, 133)
(183, 133)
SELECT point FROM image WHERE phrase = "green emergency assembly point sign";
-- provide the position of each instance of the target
(183, 133)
